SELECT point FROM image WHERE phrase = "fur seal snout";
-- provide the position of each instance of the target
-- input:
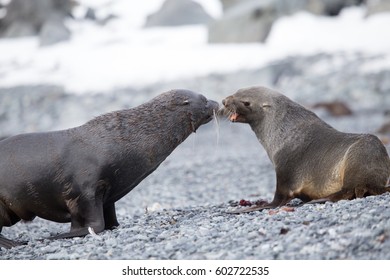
(77, 175)
(312, 160)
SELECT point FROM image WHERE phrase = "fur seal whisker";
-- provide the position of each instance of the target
(225, 112)
(216, 125)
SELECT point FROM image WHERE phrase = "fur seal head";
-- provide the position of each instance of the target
(252, 104)
(198, 108)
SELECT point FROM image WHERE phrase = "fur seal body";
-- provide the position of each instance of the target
(312, 160)
(77, 175)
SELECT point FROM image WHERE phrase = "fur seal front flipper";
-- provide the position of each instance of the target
(312, 160)
(8, 244)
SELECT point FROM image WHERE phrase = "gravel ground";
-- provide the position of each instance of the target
(179, 211)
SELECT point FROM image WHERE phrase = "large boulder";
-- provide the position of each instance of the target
(21, 28)
(178, 12)
(227, 4)
(329, 7)
(53, 31)
(251, 20)
(37, 17)
(377, 6)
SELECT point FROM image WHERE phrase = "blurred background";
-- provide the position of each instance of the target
(63, 62)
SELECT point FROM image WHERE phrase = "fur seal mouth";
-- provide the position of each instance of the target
(234, 117)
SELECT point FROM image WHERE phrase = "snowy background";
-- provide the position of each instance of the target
(124, 54)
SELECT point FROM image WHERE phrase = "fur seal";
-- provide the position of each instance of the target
(312, 160)
(77, 175)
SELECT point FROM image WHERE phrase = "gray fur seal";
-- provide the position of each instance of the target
(312, 160)
(77, 175)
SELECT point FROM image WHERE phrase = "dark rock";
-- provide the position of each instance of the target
(385, 128)
(106, 19)
(377, 6)
(251, 20)
(28, 18)
(53, 31)
(227, 4)
(284, 230)
(178, 12)
(335, 108)
(330, 7)
(19, 29)
(90, 14)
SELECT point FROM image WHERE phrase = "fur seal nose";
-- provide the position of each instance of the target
(213, 104)
(227, 100)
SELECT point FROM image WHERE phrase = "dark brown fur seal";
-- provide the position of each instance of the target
(312, 160)
(77, 175)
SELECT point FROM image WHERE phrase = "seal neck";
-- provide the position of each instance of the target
(283, 128)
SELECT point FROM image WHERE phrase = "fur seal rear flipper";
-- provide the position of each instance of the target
(312, 160)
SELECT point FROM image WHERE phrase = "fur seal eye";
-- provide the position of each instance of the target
(246, 103)
(186, 102)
